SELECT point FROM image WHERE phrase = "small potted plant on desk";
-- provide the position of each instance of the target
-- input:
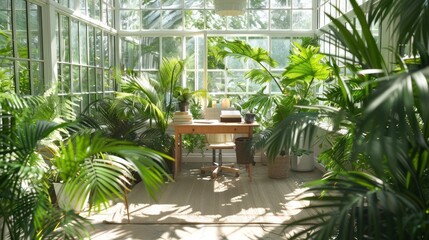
(183, 96)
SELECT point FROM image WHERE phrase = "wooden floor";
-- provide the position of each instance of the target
(196, 206)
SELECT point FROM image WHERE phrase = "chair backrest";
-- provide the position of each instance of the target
(214, 114)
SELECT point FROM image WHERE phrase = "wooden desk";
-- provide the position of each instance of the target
(204, 127)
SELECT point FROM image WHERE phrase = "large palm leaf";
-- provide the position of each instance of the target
(103, 167)
(357, 39)
(241, 50)
(408, 21)
(24, 198)
(390, 132)
(357, 205)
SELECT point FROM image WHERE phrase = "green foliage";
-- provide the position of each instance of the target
(43, 144)
(377, 185)
(191, 142)
(408, 22)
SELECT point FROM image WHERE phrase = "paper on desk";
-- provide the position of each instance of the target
(230, 113)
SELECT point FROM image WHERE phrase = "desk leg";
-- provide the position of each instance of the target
(177, 153)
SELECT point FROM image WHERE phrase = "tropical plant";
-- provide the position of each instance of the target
(408, 22)
(192, 142)
(38, 144)
(379, 188)
(152, 99)
(186, 95)
(306, 70)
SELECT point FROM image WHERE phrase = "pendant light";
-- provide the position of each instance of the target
(230, 7)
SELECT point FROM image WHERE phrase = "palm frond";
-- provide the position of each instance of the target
(359, 42)
(356, 205)
(408, 21)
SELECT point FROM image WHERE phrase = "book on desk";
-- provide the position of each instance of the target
(230, 116)
(182, 118)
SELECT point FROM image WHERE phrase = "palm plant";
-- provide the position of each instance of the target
(38, 143)
(152, 99)
(408, 22)
(378, 188)
(306, 70)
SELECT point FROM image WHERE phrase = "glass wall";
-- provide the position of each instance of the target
(94, 38)
(86, 63)
(200, 15)
(21, 52)
(99, 10)
(187, 29)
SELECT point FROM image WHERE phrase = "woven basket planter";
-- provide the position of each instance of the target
(279, 168)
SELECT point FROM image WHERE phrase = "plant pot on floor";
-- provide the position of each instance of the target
(279, 167)
(303, 163)
(244, 153)
(78, 202)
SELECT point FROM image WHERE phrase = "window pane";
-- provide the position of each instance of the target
(130, 19)
(147, 3)
(150, 53)
(24, 78)
(236, 82)
(258, 19)
(74, 41)
(172, 19)
(214, 21)
(258, 3)
(280, 49)
(21, 29)
(194, 3)
(84, 79)
(99, 80)
(280, 19)
(65, 79)
(194, 19)
(92, 79)
(302, 3)
(171, 47)
(280, 3)
(151, 19)
(37, 78)
(35, 32)
(216, 81)
(171, 4)
(190, 80)
(129, 55)
(76, 79)
(64, 39)
(237, 22)
(98, 47)
(301, 19)
(83, 44)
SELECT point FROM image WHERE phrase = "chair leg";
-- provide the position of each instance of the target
(214, 156)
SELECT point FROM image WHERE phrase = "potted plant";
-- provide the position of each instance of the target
(183, 96)
(306, 70)
(43, 139)
(377, 180)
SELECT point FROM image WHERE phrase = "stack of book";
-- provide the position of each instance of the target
(230, 116)
(182, 117)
